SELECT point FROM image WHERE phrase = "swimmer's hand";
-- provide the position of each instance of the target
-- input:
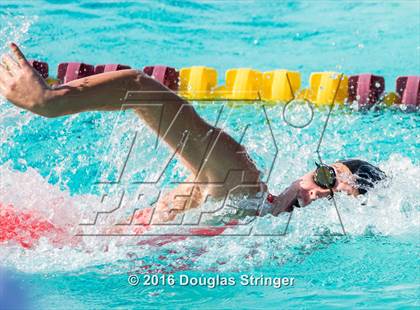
(21, 84)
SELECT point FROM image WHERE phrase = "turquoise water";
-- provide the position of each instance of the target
(52, 164)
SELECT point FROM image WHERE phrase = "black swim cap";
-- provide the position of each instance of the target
(366, 174)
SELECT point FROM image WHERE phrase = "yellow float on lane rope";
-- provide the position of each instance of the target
(241, 84)
(198, 82)
(280, 85)
(323, 86)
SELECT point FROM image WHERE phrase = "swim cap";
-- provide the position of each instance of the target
(366, 174)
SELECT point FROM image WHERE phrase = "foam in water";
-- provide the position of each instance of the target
(390, 209)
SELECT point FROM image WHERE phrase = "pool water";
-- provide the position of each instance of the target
(54, 165)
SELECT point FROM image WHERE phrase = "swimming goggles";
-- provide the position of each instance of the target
(325, 176)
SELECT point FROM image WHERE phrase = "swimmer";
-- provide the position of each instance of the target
(222, 169)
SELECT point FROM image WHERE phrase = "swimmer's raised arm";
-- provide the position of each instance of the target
(25, 88)
(211, 154)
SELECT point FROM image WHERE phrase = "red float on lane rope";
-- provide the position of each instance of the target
(408, 87)
(110, 68)
(168, 76)
(70, 71)
(366, 89)
(41, 67)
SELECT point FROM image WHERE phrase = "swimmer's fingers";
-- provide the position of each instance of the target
(2, 86)
(21, 59)
(5, 78)
(10, 63)
(4, 74)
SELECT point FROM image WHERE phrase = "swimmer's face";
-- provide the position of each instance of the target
(309, 191)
